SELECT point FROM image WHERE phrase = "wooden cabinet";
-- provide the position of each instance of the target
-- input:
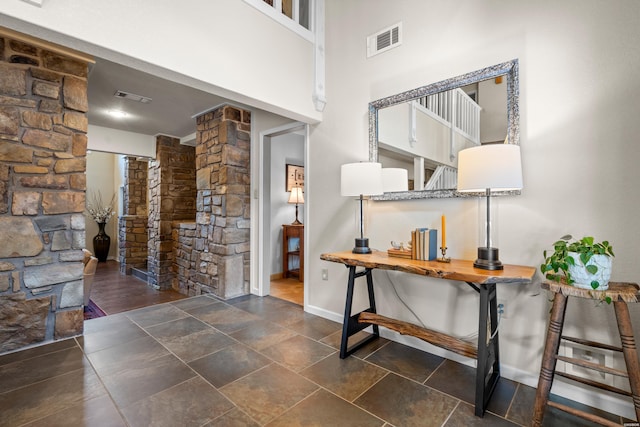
(292, 251)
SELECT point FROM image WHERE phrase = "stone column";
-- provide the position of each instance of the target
(132, 225)
(172, 196)
(223, 206)
(43, 144)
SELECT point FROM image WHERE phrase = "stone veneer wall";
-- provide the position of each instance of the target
(223, 207)
(172, 197)
(132, 225)
(185, 258)
(43, 144)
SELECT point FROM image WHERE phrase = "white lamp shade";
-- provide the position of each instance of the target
(364, 178)
(296, 196)
(395, 179)
(492, 166)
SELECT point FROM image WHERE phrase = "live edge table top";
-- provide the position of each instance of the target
(461, 270)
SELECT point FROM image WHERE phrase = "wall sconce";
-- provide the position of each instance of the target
(361, 179)
(483, 169)
(296, 197)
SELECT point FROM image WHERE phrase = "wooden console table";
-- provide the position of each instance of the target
(482, 281)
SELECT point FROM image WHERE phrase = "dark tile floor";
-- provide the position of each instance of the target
(246, 362)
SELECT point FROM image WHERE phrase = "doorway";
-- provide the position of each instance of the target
(282, 260)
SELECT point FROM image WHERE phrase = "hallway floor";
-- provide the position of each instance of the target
(115, 293)
(250, 361)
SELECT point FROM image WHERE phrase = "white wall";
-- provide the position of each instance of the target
(185, 41)
(578, 106)
(117, 141)
(102, 179)
(285, 149)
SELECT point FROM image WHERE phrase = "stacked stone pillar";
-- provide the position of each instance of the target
(223, 204)
(132, 225)
(43, 142)
(172, 197)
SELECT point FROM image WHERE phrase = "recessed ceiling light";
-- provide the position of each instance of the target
(118, 114)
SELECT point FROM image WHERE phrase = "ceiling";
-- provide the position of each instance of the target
(170, 111)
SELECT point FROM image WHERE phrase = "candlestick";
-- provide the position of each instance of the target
(444, 231)
(443, 249)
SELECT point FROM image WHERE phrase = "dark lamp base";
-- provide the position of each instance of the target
(362, 246)
(488, 259)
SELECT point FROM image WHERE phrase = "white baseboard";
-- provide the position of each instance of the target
(587, 396)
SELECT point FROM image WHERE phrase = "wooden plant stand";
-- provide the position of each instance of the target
(620, 294)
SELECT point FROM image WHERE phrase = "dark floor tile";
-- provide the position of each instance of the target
(334, 341)
(324, 409)
(35, 369)
(176, 328)
(132, 384)
(37, 351)
(131, 355)
(464, 416)
(155, 314)
(189, 338)
(114, 330)
(521, 411)
(348, 378)
(257, 305)
(315, 327)
(229, 364)
(287, 315)
(98, 412)
(233, 418)
(48, 397)
(262, 335)
(224, 317)
(193, 302)
(273, 310)
(459, 381)
(406, 361)
(298, 352)
(191, 403)
(268, 392)
(403, 402)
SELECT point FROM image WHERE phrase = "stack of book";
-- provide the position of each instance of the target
(424, 244)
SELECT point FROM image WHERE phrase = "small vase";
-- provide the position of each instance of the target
(101, 243)
(583, 278)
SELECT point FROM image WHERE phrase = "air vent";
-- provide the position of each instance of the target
(132, 97)
(384, 40)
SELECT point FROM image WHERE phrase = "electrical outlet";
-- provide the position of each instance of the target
(325, 274)
(502, 305)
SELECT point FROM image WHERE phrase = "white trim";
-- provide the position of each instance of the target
(262, 287)
(319, 92)
(283, 19)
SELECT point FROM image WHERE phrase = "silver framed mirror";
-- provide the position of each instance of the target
(425, 127)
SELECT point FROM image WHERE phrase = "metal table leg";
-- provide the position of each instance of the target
(488, 365)
(350, 325)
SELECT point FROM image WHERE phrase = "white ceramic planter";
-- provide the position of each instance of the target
(583, 278)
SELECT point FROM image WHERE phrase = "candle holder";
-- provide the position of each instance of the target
(443, 249)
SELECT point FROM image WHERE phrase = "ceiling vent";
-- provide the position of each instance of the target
(384, 40)
(132, 97)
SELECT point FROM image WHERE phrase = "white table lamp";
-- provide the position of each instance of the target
(484, 169)
(395, 179)
(361, 179)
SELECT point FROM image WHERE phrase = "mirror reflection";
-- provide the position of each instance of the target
(423, 130)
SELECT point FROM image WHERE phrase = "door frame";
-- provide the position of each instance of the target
(264, 203)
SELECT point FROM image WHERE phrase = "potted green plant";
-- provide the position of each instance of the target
(582, 263)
